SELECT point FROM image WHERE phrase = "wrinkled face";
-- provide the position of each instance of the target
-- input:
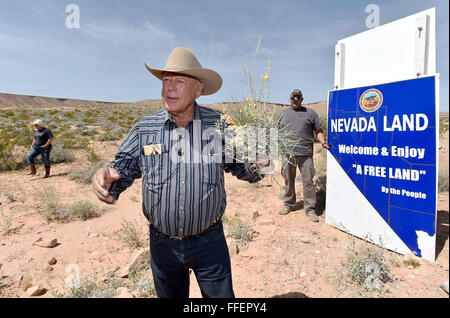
(179, 92)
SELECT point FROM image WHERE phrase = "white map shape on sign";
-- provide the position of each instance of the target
(356, 215)
(427, 245)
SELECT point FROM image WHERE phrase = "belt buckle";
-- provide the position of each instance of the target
(176, 238)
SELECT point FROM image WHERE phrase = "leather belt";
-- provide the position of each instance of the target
(181, 238)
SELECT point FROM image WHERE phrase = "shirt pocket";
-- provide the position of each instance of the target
(155, 175)
(154, 166)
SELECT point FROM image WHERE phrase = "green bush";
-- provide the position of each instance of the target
(7, 160)
(241, 230)
(144, 288)
(85, 174)
(89, 287)
(140, 268)
(109, 137)
(367, 266)
(83, 210)
(443, 178)
(132, 235)
(24, 136)
(70, 115)
(60, 155)
(88, 120)
(69, 140)
(50, 206)
(443, 124)
(89, 132)
(7, 113)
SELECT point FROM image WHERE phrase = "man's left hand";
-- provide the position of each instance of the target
(262, 163)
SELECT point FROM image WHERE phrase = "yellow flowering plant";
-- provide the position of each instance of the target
(252, 130)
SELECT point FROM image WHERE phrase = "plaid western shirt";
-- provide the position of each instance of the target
(183, 186)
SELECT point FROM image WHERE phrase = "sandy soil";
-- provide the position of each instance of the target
(289, 256)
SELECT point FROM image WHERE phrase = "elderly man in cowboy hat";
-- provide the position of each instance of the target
(183, 181)
(42, 145)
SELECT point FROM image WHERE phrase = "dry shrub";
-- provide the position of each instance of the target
(443, 177)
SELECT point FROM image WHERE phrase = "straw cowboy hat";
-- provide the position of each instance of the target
(182, 60)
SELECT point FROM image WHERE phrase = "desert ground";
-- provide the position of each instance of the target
(279, 256)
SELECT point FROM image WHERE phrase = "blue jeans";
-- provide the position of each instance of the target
(45, 155)
(206, 254)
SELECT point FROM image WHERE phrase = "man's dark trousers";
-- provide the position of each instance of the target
(206, 254)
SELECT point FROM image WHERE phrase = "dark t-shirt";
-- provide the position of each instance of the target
(41, 137)
(301, 123)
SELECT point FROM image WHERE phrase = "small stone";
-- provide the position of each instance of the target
(233, 247)
(93, 235)
(36, 291)
(96, 255)
(47, 244)
(254, 214)
(52, 261)
(105, 279)
(303, 274)
(25, 282)
(48, 269)
(266, 222)
(114, 270)
(410, 256)
(126, 270)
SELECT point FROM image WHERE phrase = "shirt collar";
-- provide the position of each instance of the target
(197, 115)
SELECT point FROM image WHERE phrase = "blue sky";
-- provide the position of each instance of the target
(104, 58)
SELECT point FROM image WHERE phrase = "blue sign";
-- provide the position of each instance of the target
(384, 137)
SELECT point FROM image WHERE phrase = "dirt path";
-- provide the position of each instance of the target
(289, 256)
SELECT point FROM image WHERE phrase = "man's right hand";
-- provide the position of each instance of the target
(101, 182)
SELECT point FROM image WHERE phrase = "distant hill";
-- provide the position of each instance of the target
(12, 101)
(319, 107)
(25, 101)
